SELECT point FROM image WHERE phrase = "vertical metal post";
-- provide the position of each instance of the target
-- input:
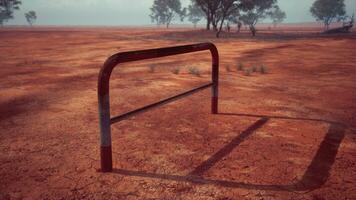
(105, 134)
(215, 80)
(104, 115)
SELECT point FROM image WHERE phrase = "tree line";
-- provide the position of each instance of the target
(218, 13)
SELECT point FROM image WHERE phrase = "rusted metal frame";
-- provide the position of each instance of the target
(103, 90)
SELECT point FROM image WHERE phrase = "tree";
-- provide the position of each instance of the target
(234, 18)
(7, 8)
(345, 19)
(352, 19)
(351, 22)
(226, 8)
(277, 15)
(328, 10)
(31, 17)
(239, 24)
(255, 10)
(165, 11)
(210, 8)
(216, 12)
(195, 13)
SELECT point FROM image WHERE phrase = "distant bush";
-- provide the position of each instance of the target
(240, 67)
(195, 71)
(176, 70)
(152, 68)
(247, 72)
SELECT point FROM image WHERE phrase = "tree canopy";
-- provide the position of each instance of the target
(328, 10)
(195, 13)
(7, 8)
(210, 8)
(217, 11)
(165, 11)
(277, 15)
(226, 9)
(255, 10)
(31, 17)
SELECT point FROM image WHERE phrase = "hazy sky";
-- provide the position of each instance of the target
(128, 12)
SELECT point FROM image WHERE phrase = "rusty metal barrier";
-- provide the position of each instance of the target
(105, 119)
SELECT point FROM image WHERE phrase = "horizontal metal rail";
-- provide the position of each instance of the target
(103, 90)
(160, 103)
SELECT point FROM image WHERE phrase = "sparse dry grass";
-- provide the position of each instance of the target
(240, 67)
(263, 69)
(194, 71)
(175, 70)
(247, 72)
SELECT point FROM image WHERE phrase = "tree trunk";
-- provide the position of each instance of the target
(218, 33)
(167, 25)
(215, 26)
(213, 22)
(220, 28)
(239, 27)
(253, 30)
(208, 23)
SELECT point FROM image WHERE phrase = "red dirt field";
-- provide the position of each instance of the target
(287, 134)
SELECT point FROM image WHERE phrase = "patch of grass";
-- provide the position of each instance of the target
(195, 71)
(176, 70)
(247, 72)
(263, 69)
(152, 69)
(240, 67)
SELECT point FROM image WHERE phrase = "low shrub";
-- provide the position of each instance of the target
(247, 72)
(240, 67)
(176, 70)
(195, 71)
(263, 69)
(152, 69)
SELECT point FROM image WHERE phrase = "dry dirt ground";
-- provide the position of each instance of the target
(287, 134)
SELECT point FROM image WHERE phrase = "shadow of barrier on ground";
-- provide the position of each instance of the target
(315, 176)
